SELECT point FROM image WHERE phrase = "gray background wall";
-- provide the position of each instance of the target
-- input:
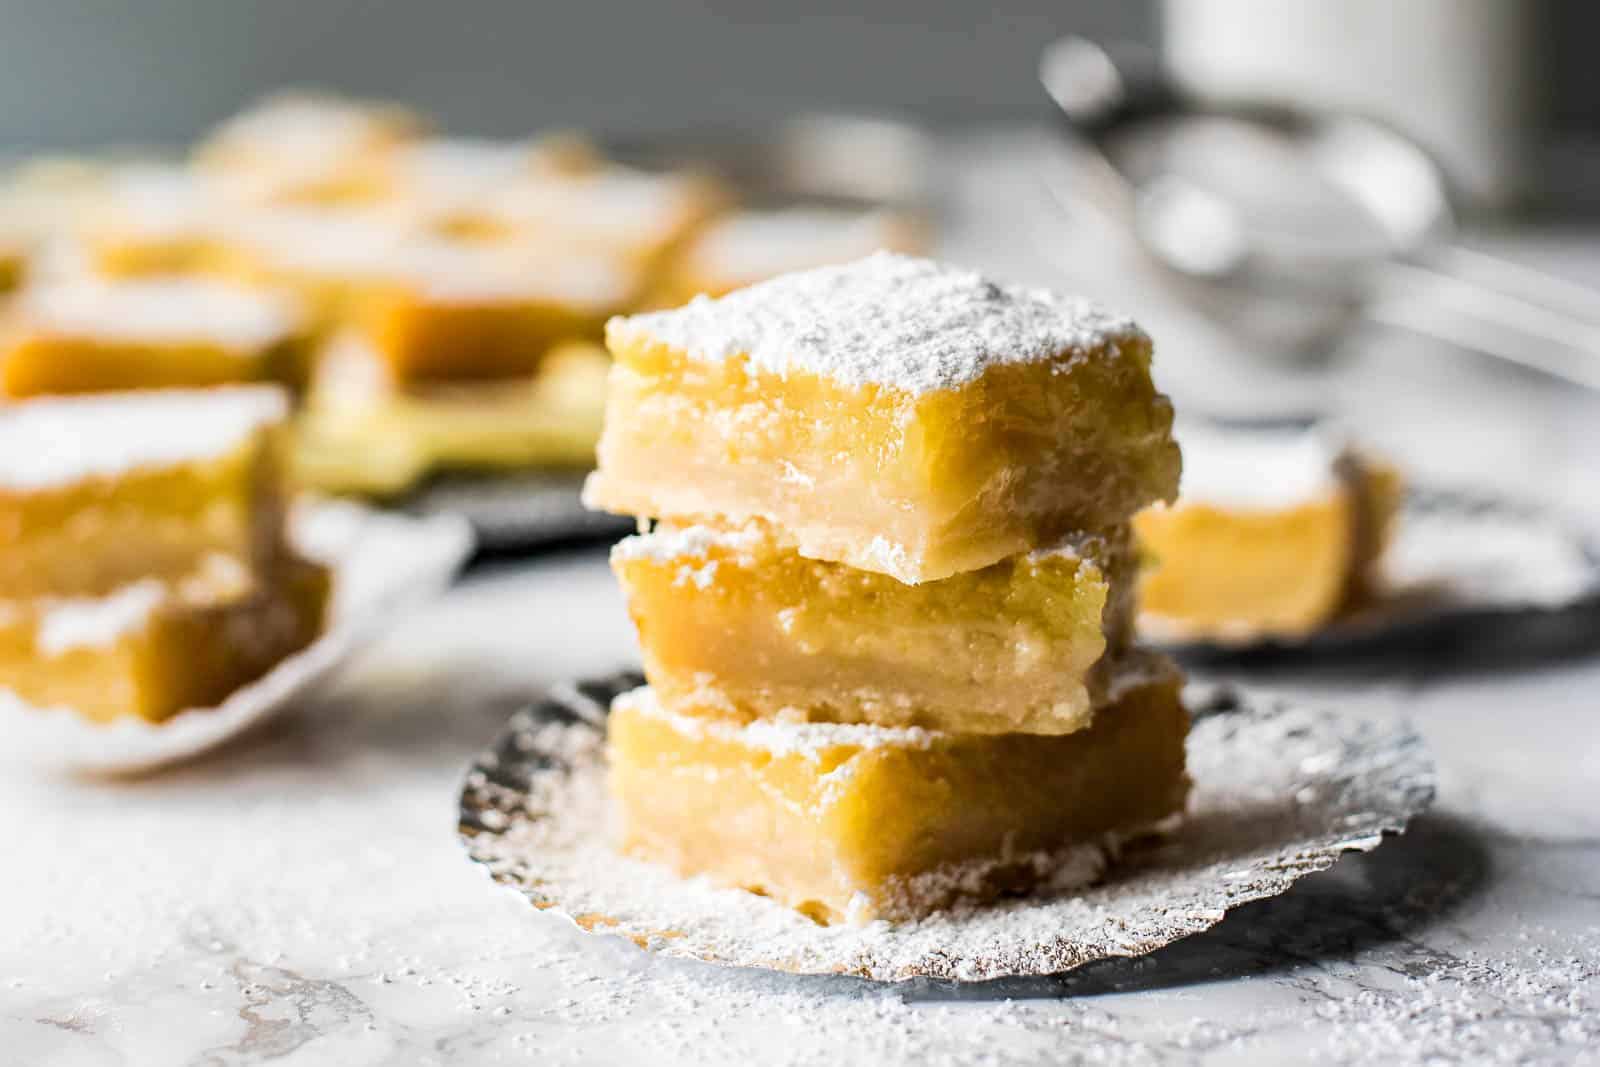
(91, 71)
(85, 71)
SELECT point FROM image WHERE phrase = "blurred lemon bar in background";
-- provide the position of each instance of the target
(892, 414)
(152, 649)
(100, 492)
(734, 624)
(328, 256)
(746, 247)
(159, 219)
(640, 217)
(454, 174)
(363, 432)
(1275, 532)
(850, 823)
(302, 147)
(451, 311)
(92, 336)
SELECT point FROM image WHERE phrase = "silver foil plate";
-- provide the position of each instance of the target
(1280, 791)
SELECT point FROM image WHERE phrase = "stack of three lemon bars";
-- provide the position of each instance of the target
(884, 588)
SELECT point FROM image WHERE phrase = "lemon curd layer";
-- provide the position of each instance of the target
(1275, 534)
(99, 492)
(736, 625)
(852, 823)
(891, 414)
(150, 650)
(97, 337)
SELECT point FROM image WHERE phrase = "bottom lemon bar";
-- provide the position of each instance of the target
(737, 625)
(151, 650)
(1274, 534)
(363, 433)
(852, 823)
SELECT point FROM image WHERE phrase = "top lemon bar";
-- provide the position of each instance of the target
(97, 492)
(893, 414)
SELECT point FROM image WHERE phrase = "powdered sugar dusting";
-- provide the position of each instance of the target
(666, 544)
(167, 311)
(808, 739)
(1280, 791)
(86, 622)
(61, 440)
(890, 320)
(1254, 468)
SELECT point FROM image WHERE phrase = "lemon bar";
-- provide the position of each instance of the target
(306, 147)
(452, 311)
(1274, 534)
(151, 221)
(733, 623)
(892, 414)
(327, 255)
(746, 247)
(363, 432)
(853, 823)
(453, 174)
(99, 492)
(150, 650)
(637, 216)
(82, 337)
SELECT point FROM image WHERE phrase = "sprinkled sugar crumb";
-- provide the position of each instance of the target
(890, 320)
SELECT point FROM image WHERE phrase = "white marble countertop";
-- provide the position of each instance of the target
(300, 898)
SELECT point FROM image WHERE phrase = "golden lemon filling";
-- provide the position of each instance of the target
(152, 649)
(853, 823)
(108, 337)
(890, 414)
(100, 492)
(363, 432)
(735, 624)
(1279, 559)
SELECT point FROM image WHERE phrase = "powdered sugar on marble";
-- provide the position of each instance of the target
(890, 320)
